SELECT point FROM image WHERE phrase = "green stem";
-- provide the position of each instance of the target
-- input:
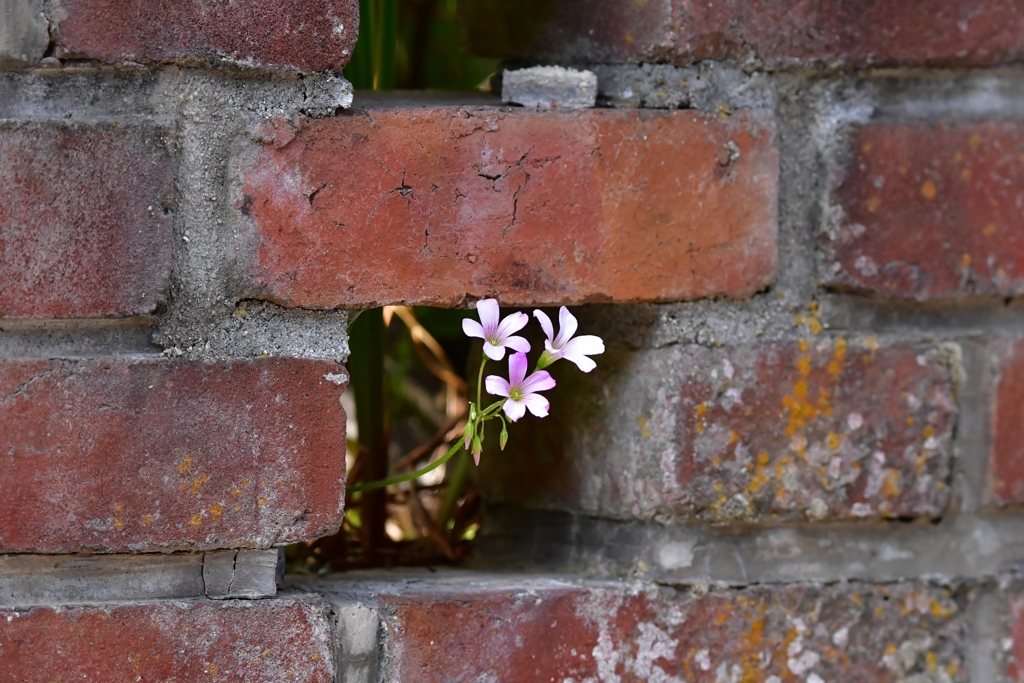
(368, 341)
(493, 408)
(457, 476)
(411, 475)
(480, 382)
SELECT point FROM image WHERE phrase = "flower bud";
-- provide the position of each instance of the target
(477, 449)
(468, 432)
(503, 437)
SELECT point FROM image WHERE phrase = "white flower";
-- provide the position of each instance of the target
(520, 390)
(496, 336)
(564, 346)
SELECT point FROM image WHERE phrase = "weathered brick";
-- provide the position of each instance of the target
(434, 205)
(260, 640)
(304, 35)
(83, 224)
(116, 455)
(817, 33)
(1015, 650)
(540, 630)
(824, 428)
(930, 210)
(1007, 461)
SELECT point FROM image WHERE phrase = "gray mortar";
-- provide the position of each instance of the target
(24, 33)
(547, 87)
(972, 445)
(967, 547)
(242, 573)
(985, 650)
(88, 95)
(979, 315)
(258, 329)
(76, 339)
(215, 115)
(710, 87)
(358, 638)
(28, 580)
(962, 95)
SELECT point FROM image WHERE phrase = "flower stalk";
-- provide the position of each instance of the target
(518, 394)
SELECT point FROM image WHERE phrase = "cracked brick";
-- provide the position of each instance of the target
(440, 205)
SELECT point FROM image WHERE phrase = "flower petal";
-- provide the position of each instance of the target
(496, 386)
(472, 328)
(537, 404)
(511, 324)
(518, 344)
(489, 314)
(582, 362)
(577, 350)
(545, 323)
(514, 409)
(517, 365)
(538, 381)
(552, 351)
(493, 352)
(587, 345)
(566, 327)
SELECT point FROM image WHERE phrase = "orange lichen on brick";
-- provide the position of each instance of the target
(198, 482)
(891, 483)
(641, 422)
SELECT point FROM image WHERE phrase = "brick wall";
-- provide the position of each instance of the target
(800, 230)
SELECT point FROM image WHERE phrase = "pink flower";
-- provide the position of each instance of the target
(564, 346)
(521, 390)
(496, 336)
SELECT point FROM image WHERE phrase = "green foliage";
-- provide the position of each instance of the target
(413, 44)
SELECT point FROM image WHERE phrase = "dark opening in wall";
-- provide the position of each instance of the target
(413, 45)
(406, 407)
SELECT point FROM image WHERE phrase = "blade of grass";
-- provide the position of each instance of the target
(373, 60)
(366, 370)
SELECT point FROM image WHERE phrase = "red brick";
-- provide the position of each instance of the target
(815, 32)
(304, 35)
(545, 630)
(930, 210)
(757, 431)
(264, 640)
(116, 455)
(83, 230)
(434, 205)
(1015, 652)
(1007, 465)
